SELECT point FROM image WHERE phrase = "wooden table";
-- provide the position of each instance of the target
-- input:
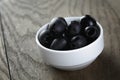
(20, 57)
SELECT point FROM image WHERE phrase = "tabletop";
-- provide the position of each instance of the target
(20, 57)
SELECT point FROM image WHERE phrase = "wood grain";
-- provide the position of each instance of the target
(21, 20)
(115, 5)
(4, 73)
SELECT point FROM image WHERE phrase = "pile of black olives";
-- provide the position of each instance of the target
(61, 36)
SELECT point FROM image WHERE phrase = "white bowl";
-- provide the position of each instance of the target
(72, 59)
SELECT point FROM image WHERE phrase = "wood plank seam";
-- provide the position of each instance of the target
(5, 49)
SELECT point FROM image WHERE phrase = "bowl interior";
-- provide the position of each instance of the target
(68, 20)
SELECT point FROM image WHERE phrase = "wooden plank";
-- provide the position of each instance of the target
(21, 20)
(115, 4)
(4, 73)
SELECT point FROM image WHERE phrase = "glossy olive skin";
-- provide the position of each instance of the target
(87, 21)
(45, 38)
(74, 28)
(58, 44)
(78, 42)
(92, 32)
(58, 26)
(89, 28)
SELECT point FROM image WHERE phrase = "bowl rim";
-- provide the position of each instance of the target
(67, 51)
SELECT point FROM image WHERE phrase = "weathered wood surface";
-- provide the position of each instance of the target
(4, 73)
(21, 20)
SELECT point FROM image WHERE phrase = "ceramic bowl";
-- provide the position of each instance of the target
(72, 59)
